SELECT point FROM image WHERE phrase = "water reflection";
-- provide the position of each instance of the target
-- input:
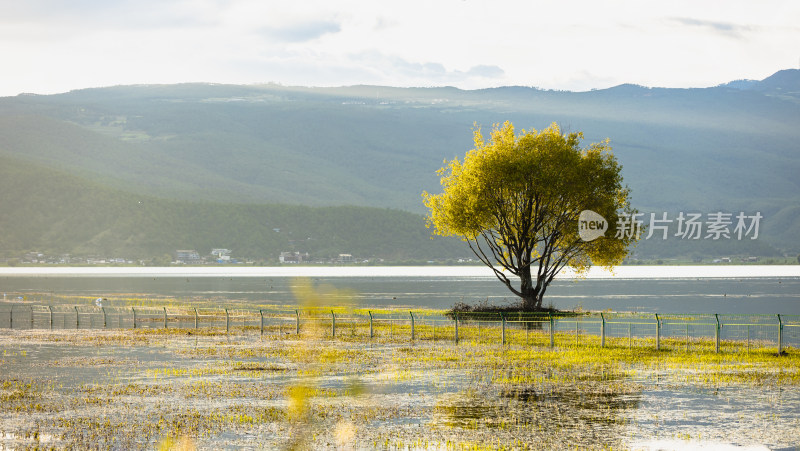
(585, 415)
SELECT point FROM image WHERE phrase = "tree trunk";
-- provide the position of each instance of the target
(532, 303)
(532, 292)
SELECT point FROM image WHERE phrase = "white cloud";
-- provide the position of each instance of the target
(52, 46)
(724, 28)
(301, 32)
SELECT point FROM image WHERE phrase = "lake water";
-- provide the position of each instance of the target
(652, 289)
(668, 407)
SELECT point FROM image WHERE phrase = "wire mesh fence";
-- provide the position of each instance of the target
(667, 331)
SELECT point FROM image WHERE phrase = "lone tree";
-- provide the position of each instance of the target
(517, 201)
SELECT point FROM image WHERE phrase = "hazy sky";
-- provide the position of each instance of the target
(50, 46)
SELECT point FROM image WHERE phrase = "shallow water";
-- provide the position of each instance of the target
(155, 380)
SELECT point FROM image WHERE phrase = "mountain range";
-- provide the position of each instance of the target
(75, 166)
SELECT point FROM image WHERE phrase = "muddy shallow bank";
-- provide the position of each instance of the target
(206, 389)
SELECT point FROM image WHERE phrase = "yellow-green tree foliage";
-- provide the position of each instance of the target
(516, 200)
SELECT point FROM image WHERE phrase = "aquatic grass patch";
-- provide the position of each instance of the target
(144, 429)
(20, 396)
(236, 390)
(95, 361)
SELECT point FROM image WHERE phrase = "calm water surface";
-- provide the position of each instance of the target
(725, 289)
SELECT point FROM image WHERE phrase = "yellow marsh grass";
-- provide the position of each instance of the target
(246, 367)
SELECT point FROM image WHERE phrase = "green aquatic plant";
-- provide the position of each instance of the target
(137, 389)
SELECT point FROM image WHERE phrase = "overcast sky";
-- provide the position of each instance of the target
(49, 46)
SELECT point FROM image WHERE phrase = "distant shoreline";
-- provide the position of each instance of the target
(620, 272)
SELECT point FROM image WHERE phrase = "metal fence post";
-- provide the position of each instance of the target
(105, 321)
(658, 333)
(227, 322)
(552, 339)
(333, 324)
(50, 308)
(412, 325)
(456, 316)
(748, 338)
(602, 330)
(630, 335)
(31, 317)
(687, 337)
(716, 333)
(370, 325)
(134, 317)
(503, 330)
(780, 335)
(77, 318)
(11, 317)
(261, 313)
(195, 317)
(527, 326)
(165, 317)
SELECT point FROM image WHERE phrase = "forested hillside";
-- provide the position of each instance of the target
(55, 213)
(240, 151)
